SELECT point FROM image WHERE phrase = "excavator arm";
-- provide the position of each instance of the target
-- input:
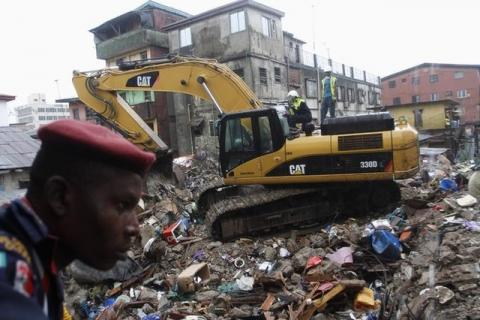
(203, 78)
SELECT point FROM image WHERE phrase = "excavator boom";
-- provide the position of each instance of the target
(206, 79)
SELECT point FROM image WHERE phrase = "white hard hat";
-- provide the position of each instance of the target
(328, 69)
(292, 93)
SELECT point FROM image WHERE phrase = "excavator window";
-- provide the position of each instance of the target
(237, 136)
(266, 143)
(246, 136)
(239, 142)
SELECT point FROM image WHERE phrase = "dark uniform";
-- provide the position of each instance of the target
(299, 113)
(29, 285)
(33, 243)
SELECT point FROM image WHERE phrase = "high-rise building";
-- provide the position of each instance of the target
(38, 112)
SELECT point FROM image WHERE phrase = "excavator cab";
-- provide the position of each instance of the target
(245, 136)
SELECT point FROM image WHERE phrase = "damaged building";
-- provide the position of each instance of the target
(245, 35)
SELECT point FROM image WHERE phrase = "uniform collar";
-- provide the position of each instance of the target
(26, 217)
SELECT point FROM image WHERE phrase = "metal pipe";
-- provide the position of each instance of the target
(202, 81)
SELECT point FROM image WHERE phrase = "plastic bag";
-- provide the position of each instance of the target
(386, 244)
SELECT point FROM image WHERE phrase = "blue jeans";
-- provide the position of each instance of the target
(328, 105)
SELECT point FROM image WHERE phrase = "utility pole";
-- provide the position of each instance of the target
(58, 88)
(316, 64)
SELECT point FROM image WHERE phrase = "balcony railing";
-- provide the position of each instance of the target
(131, 41)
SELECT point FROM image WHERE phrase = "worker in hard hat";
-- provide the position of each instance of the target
(298, 111)
(329, 99)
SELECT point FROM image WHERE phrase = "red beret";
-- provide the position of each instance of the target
(95, 141)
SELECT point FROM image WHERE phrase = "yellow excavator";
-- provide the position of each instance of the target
(269, 180)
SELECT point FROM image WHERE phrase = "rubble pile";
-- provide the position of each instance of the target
(416, 261)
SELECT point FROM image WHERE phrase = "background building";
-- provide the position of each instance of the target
(4, 112)
(433, 82)
(79, 111)
(38, 112)
(430, 115)
(17, 151)
(245, 35)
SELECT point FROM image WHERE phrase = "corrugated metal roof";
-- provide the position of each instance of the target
(17, 148)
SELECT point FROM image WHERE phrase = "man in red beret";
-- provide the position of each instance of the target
(85, 183)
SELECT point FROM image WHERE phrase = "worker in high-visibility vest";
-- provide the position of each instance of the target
(329, 99)
(298, 111)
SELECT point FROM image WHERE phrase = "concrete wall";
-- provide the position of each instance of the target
(271, 90)
(271, 47)
(212, 37)
(183, 130)
(358, 89)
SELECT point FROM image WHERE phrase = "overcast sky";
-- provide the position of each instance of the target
(44, 41)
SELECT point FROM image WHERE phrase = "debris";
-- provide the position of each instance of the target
(123, 270)
(175, 232)
(374, 266)
(342, 256)
(268, 302)
(192, 277)
(472, 226)
(466, 201)
(364, 300)
(284, 253)
(245, 283)
(313, 261)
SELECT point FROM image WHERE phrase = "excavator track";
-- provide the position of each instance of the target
(254, 210)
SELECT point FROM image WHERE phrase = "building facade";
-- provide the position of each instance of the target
(433, 82)
(38, 112)
(4, 112)
(138, 35)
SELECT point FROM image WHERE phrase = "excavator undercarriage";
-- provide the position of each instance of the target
(232, 212)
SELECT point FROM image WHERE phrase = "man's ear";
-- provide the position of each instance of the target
(57, 193)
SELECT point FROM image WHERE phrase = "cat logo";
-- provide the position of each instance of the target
(297, 169)
(144, 80)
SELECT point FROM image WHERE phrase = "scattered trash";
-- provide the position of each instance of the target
(386, 244)
(372, 266)
(472, 226)
(364, 300)
(467, 201)
(342, 256)
(313, 261)
(174, 232)
(265, 266)
(448, 185)
(245, 283)
(284, 253)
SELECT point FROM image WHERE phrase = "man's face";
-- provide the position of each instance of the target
(291, 99)
(102, 218)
